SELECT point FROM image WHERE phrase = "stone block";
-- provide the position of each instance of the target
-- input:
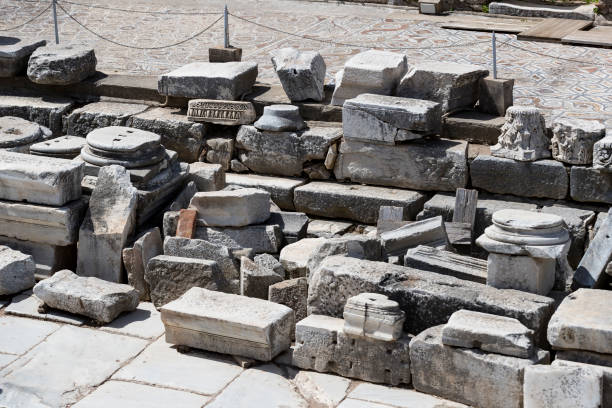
(98, 115)
(92, 297)
(523, 136)
(573, 139)
(169, 277)
(280, 189)
(602, 154)
(230, 113)
(586, 357)
(229, 80)
(228, 324)
(495, 95)
(354, 202)
(426, 258)
(351, 245)
(301, 73)
(543, 178)
(389, 119)
(14, 54)
(460, 374)
(429, 232)
(438, 165)
(255, 279)
(295, 257)
(284, 153)
(220, 150)
(177, 133)
(292, 293)
(430, 6)
(591, 270)
(232, 208)
(328, 228)
(186, 224)
(547, 386)
(48, 258)
(57, 64)
(16, 271)
(148, 246)
(428, 298)
(260, 238)
(454, 86)
(373, 316)
(46, 111)
(222, 54)
(270, 262)
(473, 127)
(589, 185)
(606, 373)
(160, 191)
(207, 176)
(293, 225)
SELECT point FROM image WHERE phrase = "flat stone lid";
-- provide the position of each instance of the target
(60, 145)
(521, 220)
(16, 131)
(122, 139)
(374, 302)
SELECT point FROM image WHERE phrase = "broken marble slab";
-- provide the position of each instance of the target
(291, 293)
(437, 164)
(460, 374)
(350, 245)
(45, 110)
(255, 279)
(588, 184)
(547, 386)
(236, 208)
(591, 270)
(16, 271)
(523, 136)
(92, 297)
(488, 332)
(301, 73)
(14, 54)
(602, 154)
(426, 258)
(206, 80)
(295, 257)
(573, 139)
(207, 176)
(430, 232)
(318, 228)
(293, 225)
(388, 119)
(135, 260)
(95, 115)
(17, 134)
(228, 324)
(280, 188)
(454, 86)
(322, 390)
(56, 64)
(39, 180)
(373, 316)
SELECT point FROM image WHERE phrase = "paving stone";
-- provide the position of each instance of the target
(131, 395)
(16, 271)
(573, 139)
(293, 225)
(430, 231)
(606, 373)
(6, 359)
(39, 180)
(448, 263)
(14, 54)
(327, 228)
(439, 165)
(19, 335)
(162, 365)
(46, 111)
(144, 322)
(65, 367)
(294, 257)
(207, 176)
(547, 386)
(523, 136)
(398, 397)
(301, 73)
(255, 279)
(237, 208)
(98, 115)
(473, 127)
(27, 305)
(57, 64)
(591, 270)
(321, 389)
(589, 185)
(354, 202)
(229, 80)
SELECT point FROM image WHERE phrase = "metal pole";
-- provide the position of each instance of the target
(494, 56)
(225, 27)
(55, 22)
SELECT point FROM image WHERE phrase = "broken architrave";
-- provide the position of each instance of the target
(232, 113)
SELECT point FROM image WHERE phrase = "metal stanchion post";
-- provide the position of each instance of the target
(226, 28)
(55, 21)
(494, 56)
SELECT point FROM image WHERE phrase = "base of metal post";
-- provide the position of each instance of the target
(55, 22)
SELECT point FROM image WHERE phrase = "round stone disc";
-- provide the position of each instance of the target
(60, 145)
(123, 139)
(16, 132)
(521, 220)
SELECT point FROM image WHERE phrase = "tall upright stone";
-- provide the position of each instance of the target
(302, 73)
(523, 136)
(573, 139)
(109, 222)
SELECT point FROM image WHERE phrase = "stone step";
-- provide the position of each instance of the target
(527, 9)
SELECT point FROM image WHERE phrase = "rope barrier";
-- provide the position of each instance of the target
(180, 13)
(133, 46)
(27, 22)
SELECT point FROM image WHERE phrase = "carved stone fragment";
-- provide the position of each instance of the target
(523, 136)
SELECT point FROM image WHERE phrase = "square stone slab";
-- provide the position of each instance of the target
(144, 322)
(19, 335)
(26, 305)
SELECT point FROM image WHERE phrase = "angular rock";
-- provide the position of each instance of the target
(92, 297)
(293, 225)
(109, 221)
(439, 165)
(295, 257)
(351, 245)
(461, 374)
(207, 176)
(17, 134)
(46, 111)
(590, 185)
(232, 208)
(473, 127)
(292, 293)
(354, 202)
(324, 390)
(430, 259)
(148, 246)
(280, 118)
(327, 228)
(429, 232)
(169, 277)
(229, 80)
(523, 136)
(228, 324)
(389, 119)
(98, 115)
(591, 270)
(270, 262)
(238, 167)
(372, 71)
(301, 73)
(373, 316)
(280, 189)
(14, 54)
(63, 147)
(16, 271)
(605, 372)
(454, 86)
(547, 386)
(284, 153)
(220, 150)
(573, 139)
(57, 64)
(39, 180)
(255, 279)
(495, 95)
(542, 178)
(602, 154)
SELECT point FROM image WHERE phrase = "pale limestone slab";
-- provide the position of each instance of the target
(6, 359)
(65, 367)
(130, 395)
(144, 322)
(280, 188)
(321, 389)
(237, 208)
(161, 365)
(26, 305)
(18, 335)
(398, 397)
(561, 387)
(295, 257)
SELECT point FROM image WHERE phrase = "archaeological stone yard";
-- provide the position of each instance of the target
(296, 203)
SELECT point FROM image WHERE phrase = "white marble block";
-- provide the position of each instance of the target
(573, 139)
(373, 315)
(236, 208)
(523, 136)
(561, 387)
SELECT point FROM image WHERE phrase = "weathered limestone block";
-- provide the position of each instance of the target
(586, 357)
(439, 165)
(46, 111)
(602, 154)
(237, 166)
(328, 228)
(588, 184)
(454, 86)
(321, 345)
(495, 95)
(236, 208)
(280, 118)
(573, 139)
(372, 71)
(428, 298)
(448, 263)
(92, 297)
(48, 258)
(61, 64)
(301, 73)
(280, 189)
(109, 221)
(17, 134)
(292, 293)
(207, 176)
(284, 153)
(354, 202)
(389, 119)
(16, 271)
(148, 246)
(14, 54)
(39, 180)
(473, 127)
(460, 374)
(523, 136)
(591, 270)
(228, 324)
(583, 322)
(373, 316)
(488, 332)
(429, 232)
(294, 225)
(547, 386)
(606, 373)
(177, 133)
(270, 262)
(63, 147)
(228, 80)
(100, 114)
(295, 257)
(256, 279)
(543, 178)
(351, 245)
(220, 150)
(169, 277)
(158, 193)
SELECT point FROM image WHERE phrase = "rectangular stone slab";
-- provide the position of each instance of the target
(228, 324)
(591, 270)
(39, 180)
(447, 263)
(280, 188)
(589, 185)
(46, 111)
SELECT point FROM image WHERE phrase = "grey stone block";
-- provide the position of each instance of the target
(548, 386)
(270, 262)
(473, 127)
(430, 231)
(301, 73)
(255, 279)
(280, 188)
(590, 185)
(61, 64)
(591, 270)
(606, 373)
(238, 208)
(46, 111)
(426, 258)
(95, 115)
(292, 293)
(207, 176)
(14, 54)
(293, 225)
(16, 271)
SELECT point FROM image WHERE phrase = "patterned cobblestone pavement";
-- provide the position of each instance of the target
(557, 86)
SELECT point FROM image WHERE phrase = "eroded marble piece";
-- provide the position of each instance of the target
(602, 154)
(301, 73)
(374, 316)
(62, 64)
(236, 208)
(573, 139)
(523, 136)
(16, 271)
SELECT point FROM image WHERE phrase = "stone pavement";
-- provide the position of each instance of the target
(54, 361)
(557, 87)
